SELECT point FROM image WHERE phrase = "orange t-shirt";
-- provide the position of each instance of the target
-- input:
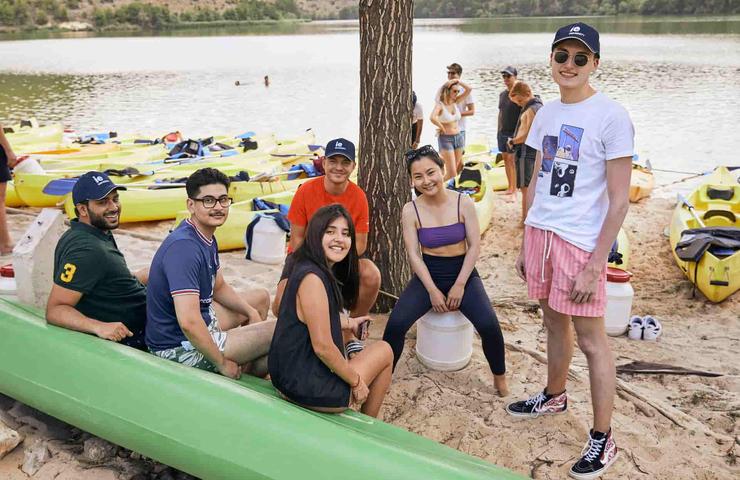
(312, 195)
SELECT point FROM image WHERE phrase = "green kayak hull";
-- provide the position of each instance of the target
(202, 423)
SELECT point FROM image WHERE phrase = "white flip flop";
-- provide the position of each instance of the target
(636, 327)
(653, 328)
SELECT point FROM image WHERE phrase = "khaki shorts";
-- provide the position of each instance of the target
(189, 356)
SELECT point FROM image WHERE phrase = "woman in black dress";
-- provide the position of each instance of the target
(308, 363)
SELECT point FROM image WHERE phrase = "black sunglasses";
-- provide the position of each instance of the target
(506, 75)
(419, 152)
(580, 59)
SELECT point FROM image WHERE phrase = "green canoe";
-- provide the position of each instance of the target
(203, 423)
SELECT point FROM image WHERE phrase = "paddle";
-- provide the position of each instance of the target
(684, 201)
(62, 186)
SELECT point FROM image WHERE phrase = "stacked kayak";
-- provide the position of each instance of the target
(202, 423)
(28, 133)
(716, 206)
(641, 183)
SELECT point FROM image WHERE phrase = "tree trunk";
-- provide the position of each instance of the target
(385, 133)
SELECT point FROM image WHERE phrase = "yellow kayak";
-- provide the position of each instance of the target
(141, 204)
(478, 177)
(22, 134)
(480, 153)
(11, 196)
(717, 203)
(641, 183)
(623, 247)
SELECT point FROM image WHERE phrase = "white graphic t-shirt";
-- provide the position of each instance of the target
(576, 140)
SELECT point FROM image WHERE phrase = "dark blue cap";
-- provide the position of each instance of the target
(580, 31)
(340, 146)
(93, 186)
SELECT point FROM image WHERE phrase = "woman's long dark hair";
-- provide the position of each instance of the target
(344, 275)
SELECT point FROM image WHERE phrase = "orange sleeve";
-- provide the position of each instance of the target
(297, 212)
(363, 213)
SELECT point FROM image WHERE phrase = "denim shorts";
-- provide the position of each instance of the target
(452, 142)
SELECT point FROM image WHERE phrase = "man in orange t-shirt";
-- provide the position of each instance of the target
(334, 187)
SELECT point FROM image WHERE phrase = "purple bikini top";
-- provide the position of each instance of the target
(435, 237)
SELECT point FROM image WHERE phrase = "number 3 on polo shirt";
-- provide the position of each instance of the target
(68, 273)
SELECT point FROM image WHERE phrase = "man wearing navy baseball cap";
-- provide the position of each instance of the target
(94, 291)
(335, 187)
(578, 201)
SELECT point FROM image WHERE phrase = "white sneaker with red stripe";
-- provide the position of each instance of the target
(598, 455)
(540, 404)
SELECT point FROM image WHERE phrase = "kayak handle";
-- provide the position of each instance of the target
(719, 283)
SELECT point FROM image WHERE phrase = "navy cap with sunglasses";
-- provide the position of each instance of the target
(93, 186)
(584, 33)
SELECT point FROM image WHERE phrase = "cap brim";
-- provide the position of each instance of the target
(575, 38)
(341, 154)
(114, 187)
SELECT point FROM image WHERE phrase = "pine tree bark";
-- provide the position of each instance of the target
(386, 29)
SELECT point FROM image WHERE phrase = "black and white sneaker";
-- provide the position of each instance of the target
(598, 455)
(540, 404)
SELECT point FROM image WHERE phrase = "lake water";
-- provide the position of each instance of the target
(679, 78)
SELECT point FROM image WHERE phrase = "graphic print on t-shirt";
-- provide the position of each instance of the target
(569, 142)
(549, 148)
(564, 167)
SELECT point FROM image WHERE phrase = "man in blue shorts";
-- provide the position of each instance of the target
(183, 322)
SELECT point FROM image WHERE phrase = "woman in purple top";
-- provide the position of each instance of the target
(442, 238)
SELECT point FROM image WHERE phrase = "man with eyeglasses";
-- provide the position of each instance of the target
(578, 200)
(508, 114)
(94, 291)
(184, 322)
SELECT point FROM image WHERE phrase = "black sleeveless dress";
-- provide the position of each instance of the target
(295, 370)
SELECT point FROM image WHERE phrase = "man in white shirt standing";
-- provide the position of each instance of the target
(466, 105)
(578, 200)
(417, 121)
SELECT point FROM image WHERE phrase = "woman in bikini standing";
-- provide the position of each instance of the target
(446, 116)
(442, 239)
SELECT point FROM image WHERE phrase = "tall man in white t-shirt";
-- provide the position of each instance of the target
(578, 200)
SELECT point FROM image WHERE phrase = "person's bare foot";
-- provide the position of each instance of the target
(501, 386)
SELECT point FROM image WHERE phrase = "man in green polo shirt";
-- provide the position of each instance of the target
(94, 291)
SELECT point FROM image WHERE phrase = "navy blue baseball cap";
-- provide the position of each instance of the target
(93, 186)
(586, 34)
(340, 146)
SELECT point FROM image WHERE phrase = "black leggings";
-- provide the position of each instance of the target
(475, 305)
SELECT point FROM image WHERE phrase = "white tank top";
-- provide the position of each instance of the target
(446, 117)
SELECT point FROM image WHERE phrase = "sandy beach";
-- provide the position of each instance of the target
(666, 426)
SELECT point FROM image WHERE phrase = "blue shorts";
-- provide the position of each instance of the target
(502, 146)
(452, 142)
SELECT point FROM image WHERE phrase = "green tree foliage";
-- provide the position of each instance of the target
(21, 13)
(261, 10)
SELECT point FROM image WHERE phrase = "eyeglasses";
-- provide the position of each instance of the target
(580, 59)
(505, 75)
(450, 73)
(210, 202)
(419, 152)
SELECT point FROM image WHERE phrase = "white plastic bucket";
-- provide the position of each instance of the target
(619, 295)
(444, 341)
(28, 165)
(7, 281)
(268, 242)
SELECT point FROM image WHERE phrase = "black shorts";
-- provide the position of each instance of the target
(502, 146)
(525, 158)
(4, 170)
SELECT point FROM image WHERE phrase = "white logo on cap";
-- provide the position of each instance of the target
(99, 180)
(575, 29)
(339, 146)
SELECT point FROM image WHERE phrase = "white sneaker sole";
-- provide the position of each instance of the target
(533, 415)
(589, 476)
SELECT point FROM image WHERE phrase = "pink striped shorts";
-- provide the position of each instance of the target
(552, 265)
